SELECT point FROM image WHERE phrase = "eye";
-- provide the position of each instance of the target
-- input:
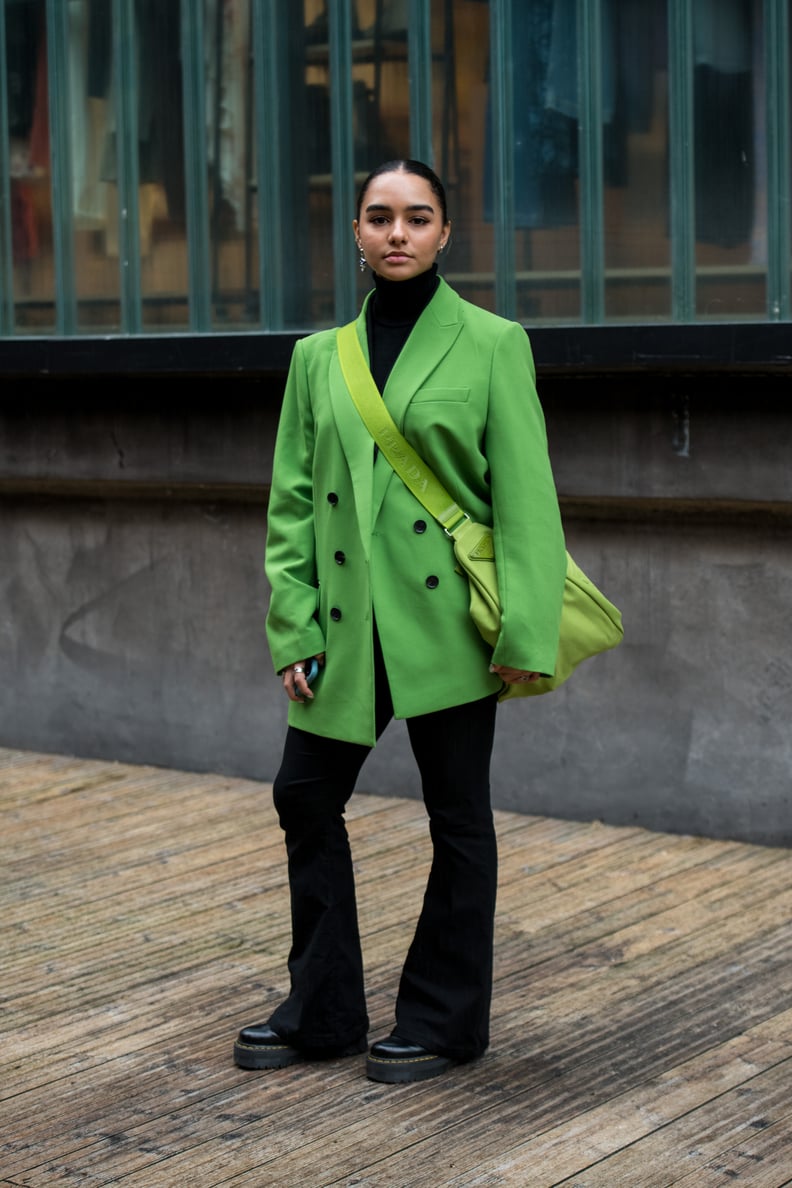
(378, 220)
(419, 221)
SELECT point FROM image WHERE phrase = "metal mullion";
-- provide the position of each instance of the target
(779, 162)
(249, 160)
(590, 135)
(57, 14)
(268, 38)
(196, 165)
(681, 148)
(6, 241)
(502, 101)
(125, 49)
(419, 80)
(342, 158)
(450, 129)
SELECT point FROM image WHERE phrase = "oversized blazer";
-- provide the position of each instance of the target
(347, 542)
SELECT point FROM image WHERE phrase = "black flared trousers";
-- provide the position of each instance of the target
(444, 994)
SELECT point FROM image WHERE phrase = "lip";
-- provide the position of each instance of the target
(398, 256)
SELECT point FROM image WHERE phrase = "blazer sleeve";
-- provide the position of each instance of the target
(293, 632)
(530, 552)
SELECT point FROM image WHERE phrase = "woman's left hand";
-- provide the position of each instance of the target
(514, 676)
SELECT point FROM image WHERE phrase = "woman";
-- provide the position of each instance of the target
(364, 580)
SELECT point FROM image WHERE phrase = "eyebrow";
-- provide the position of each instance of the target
(413, 206)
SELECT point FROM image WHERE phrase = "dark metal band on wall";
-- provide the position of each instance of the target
(756, 347)
(746, 515)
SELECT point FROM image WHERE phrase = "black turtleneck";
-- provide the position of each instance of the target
(390, 316)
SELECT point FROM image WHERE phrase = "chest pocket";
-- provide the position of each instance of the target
(441, 395)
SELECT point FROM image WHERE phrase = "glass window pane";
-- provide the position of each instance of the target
(148, 131)
(730, 164)
(164, 274)
(30, 208)
(91, 152)
(546, 114)
(635, 161)
(233, 227)
(546, 251)
(304, 165)
(612, 102)
(460, 84)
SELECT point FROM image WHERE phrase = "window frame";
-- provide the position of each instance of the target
(619, 343)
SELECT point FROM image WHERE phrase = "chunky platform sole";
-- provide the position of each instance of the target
(393, 1070)
(262, 1056)
(265, 1055)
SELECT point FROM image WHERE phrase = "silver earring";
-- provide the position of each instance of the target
(362, 260)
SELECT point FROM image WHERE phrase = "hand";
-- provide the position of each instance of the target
(514, 676)
(294, 682)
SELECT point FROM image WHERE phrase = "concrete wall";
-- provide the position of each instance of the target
(132, 595)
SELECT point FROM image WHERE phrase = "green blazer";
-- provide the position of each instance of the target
(347, 541)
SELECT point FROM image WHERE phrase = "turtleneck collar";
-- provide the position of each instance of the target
(403, 302)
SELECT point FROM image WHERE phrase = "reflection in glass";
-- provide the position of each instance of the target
(229, 111)
(311, 197)
(92, 166)
(460, 86)
(650, 148)
(151, 135)
(635, 161)
(546, 116)
(161, 179)
(28, 154)
(546, 253)
(729, 128)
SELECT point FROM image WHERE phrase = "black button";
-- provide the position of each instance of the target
(340, 558)
(332, 498)
(419, 526)
(432, 582)
(335, 614)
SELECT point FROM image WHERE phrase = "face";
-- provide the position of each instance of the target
(401, 226)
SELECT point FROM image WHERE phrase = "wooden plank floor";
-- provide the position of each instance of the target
(642, 1023)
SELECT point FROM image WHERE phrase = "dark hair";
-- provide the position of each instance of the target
(407, 166)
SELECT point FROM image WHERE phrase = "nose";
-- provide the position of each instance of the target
(398, 230)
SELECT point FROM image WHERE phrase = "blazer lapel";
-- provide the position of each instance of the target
(356, 441)
(431, 339)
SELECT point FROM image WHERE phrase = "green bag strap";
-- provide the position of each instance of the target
(409, 465)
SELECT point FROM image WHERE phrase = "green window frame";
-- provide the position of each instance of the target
(270, 147)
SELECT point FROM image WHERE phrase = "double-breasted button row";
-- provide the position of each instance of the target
(433, 581)
(339, 556)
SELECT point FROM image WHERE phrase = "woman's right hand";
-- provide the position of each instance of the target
(294, 682)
